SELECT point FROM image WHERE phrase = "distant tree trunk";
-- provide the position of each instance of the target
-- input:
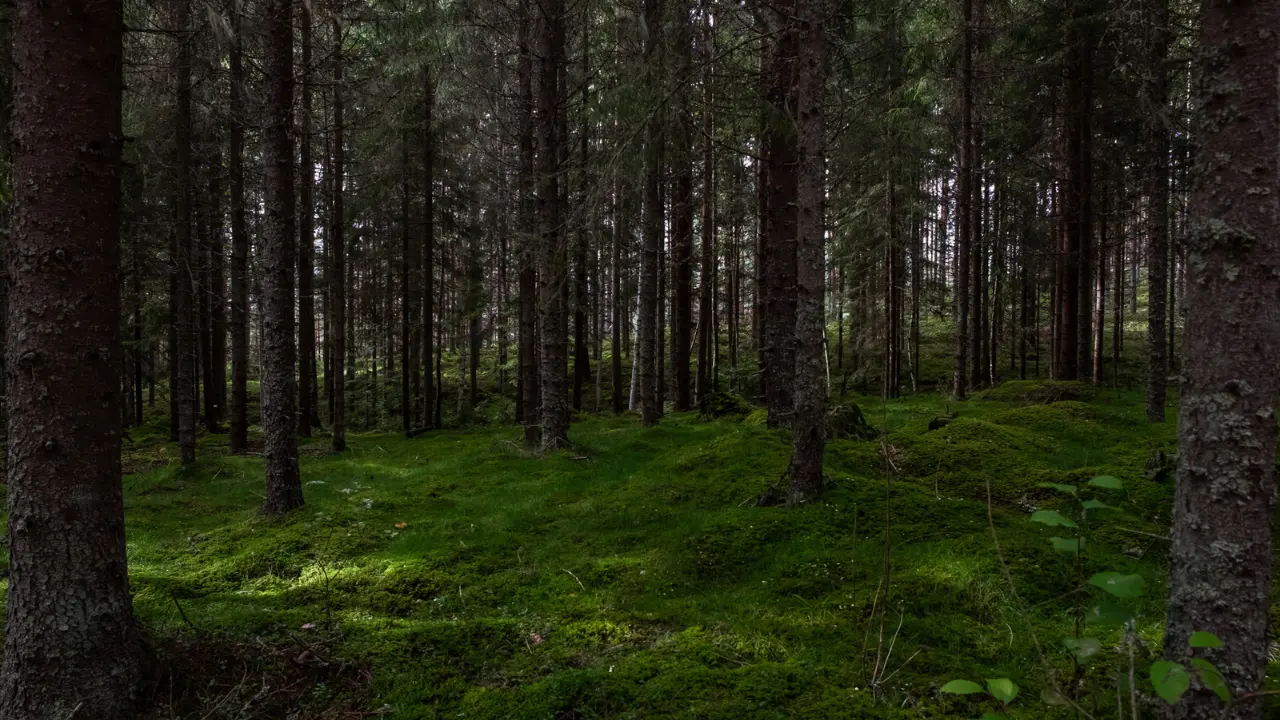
(682, 239)
(617, 309)
(184, 386)
(1221, 558)
(964, 200)
(581, 302)
(1100, 293)
(527, 392)
(338, 251)
(552, 265)
(279, 390)
(646, 354)
(1155, 98)
(217, 295)
(782, 156)
(407, 261)
(307, 412)
(428, 247)
(708, 339)
(808, 426)
(71, 641)
(239, 440)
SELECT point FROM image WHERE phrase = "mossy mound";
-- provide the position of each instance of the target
(847, 421)
(1039, 391)
(722, 404)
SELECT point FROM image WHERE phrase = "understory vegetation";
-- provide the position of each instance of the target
(457, 574)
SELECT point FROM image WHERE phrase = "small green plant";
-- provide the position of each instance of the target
(1172, 679)
(1002, 689)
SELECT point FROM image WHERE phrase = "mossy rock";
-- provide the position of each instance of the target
(847, 421)
(723, 404)
(1040, 391)
(756, 417)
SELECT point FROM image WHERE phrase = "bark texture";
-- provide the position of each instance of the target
(647, 346)
(808, 436)
(306, 243)
(338, 252)
(71, 643)
(1221, 559)
(552, 249)
(239, 439)
(183, 351)
(279, 390)
(1156, 90)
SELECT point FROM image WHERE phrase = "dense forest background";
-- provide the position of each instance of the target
(806, 246)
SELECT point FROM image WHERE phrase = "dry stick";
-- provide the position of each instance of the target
(1013, 588)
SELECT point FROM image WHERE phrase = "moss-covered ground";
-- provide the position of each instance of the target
(634, 578)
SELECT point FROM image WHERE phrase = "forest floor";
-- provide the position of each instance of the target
(456, 575)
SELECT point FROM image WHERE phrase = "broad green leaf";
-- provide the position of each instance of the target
(1095, 505)
(1068, 489)
(1003, 689)
(1108, 613)
(1052, 518)
(1202, 639)
(1067, 545)
(1122, 586)
(1107, 481)
(1170, 680)
(1083, 648)
(1212, 678)
(962, 687)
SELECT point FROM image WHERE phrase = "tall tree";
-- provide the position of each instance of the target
(808, 428)
(307, 412)
(239, 440)
(528, 383)
(964, 202)
(682, 238)
(552, 261)
(183, 350)
(279, 390)
(71, 641)
(338, 251)
(648, 347)
(1221, 558)
(1156, 137)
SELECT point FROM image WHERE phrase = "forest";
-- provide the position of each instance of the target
(697, 359)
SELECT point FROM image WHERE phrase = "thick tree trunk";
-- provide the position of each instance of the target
(527, 391)
(307, 412)
(279, 390)
(71, 642)
(552, 261)
(1221, 558)
(239, 440)
(808, 426)
(338, 251)
(647, 346)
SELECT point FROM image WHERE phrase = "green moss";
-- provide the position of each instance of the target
(1039, 391)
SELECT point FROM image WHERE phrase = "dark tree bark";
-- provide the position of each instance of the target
(808, 430)
(682, 238)
(617, 309)
(307, 412)
(217, 295)
(184, 386)
(1221, 558)
(239, 440)
(71, 641)
(964, 202)
(528, 382)
(338, 251)
(428, 251)
(581, 302)
(279, 390)
(708, 339)
(407, 264)
(1155, 98)
(647, 346)
(552, 261)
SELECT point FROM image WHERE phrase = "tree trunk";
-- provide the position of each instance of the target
(184, 386)
(1221, 558)
(708, 339)
(808, 427)
(964, 199)
(279, 390)
(307, 412)
(71, 641)
(1155, 97)
(646, 353)
(682, 238)
(527, 392)
(239, 439)
(552, 265)
(338, 252)
(428, 248)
